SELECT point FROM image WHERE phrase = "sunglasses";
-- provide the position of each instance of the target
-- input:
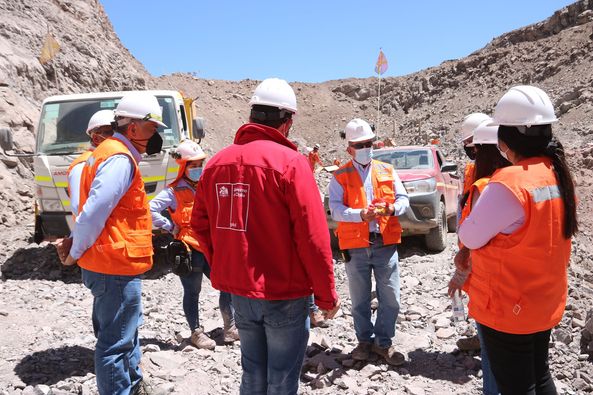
(366, 144)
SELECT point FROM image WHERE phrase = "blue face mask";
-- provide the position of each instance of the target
(194, 173)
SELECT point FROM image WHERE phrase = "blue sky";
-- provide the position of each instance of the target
(311, 41)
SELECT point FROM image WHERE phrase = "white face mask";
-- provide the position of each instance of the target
(503, 153)
(363, 155)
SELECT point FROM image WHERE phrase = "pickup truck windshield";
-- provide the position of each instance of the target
(62, 125)
(406, 159)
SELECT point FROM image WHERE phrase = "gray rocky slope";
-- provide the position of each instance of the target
(47, 341)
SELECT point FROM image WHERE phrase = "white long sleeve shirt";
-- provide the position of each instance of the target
(496, 211)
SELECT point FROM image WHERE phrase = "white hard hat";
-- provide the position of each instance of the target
(524, 105)
(100, 118)
(485, 134)
(187, 151)
(274, 92)
(140, 105)
(470, 122)
(317, 146)
(358, 130)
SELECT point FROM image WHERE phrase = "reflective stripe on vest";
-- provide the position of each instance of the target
(356, 234)
(518, 282)
(184, 196)
(124, 246)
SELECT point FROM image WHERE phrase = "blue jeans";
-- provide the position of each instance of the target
(192, 285)
(117, 314)
(274, 336)
(311, 303)
(382, 261)
(489, 386)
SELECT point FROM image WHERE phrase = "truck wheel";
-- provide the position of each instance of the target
(436, 239)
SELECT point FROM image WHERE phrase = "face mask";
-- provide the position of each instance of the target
(154, 145)
(363, 155)
(503, 153)
(194, 173)
(470, 152)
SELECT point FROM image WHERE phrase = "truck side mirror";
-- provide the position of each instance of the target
(6, 139)
(198, 130)
(449, 167)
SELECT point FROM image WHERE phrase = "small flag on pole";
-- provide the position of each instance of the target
(381, 66)
(50, 49)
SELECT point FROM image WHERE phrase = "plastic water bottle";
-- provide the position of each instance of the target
(457, 308)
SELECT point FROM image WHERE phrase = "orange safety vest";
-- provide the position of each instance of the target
(79, 159)
(124, 246)
(184, 195)
(479, 185)
(518, 282)
(468, 176)
(356, 234)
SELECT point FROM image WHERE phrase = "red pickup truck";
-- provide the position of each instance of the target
(433, 189)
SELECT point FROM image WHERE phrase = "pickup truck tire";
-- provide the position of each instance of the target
(436, 239)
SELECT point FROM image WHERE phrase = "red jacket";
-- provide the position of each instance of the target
(259, 219)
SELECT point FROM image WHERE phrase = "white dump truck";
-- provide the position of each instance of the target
(61, 137)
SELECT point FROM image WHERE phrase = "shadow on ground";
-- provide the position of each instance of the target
(42, 263)
(413, 245)
(438, 365)
(38, 263)
(432, 365)
(55, 364)
(163, 345)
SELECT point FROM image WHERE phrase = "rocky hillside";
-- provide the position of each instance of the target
(91, 58)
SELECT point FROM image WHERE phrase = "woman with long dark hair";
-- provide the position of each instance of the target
(487, 161)
(520, 232)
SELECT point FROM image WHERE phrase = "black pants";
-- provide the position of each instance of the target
(519, 362)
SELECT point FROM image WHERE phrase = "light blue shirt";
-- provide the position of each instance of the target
(342, 213)
(111, 182)
(164, 200)
(74, 186)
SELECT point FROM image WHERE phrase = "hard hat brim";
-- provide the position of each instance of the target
(363, 138)
(197, 157)
(547, 122)
(157, 122)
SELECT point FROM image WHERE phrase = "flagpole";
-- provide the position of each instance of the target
(380, 68)
(378, 106)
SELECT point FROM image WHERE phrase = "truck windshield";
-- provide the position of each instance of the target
(62, 125)
(406, 159)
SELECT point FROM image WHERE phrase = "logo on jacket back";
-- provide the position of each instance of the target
(233, 206)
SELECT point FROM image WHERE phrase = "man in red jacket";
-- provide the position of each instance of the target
(259, 219)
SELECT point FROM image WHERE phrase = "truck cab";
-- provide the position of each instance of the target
(61, 138)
